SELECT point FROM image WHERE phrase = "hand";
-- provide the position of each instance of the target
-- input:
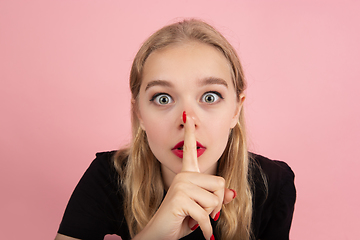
(191, 198)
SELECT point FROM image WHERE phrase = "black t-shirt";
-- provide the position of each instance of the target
(95, 207)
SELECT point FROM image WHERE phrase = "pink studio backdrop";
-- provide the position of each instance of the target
(64, 69)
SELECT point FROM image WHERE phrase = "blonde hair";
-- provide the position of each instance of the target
(139, 170)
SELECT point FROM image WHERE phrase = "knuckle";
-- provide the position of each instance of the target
(221, 182)
(180, 177)
(179, 187)
(216, 202)
(203, 218)
(179, 198)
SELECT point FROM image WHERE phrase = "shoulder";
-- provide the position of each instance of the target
(100, 172)
(274, 197)
(103, 161)
(95, 206)
(275, 176)
(272, 169)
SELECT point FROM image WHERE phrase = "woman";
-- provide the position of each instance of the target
(187, 173)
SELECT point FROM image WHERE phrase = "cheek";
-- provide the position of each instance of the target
(220, 135)
(223, 121)
(157, 130)
(219, 131)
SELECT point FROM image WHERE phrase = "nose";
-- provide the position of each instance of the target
(188, 113)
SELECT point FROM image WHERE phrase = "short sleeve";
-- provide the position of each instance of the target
(278, 227)
(95, 206)
(273, 204)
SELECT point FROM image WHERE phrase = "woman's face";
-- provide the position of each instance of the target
(192, 77)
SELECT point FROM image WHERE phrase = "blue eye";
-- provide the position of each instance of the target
(161, 99)
(211, 97)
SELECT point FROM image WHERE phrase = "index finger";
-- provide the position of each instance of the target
(190, 163)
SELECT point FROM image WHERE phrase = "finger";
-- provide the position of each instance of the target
(208, 200)
(193, 225)
(216, 185)
(190, 163)
(199, 215)
(207, 190)
(229, 195)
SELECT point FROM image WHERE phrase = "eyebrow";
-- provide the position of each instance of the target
(203, 82)
(213, 80)
(158, 83)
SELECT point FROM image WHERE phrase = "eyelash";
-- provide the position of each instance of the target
(162, 93)
(157, 95)
(213, 92)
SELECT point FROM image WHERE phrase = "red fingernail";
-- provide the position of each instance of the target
(212, 237)
(184, 117)
(194, 227)
(217, 216)
(234, 193)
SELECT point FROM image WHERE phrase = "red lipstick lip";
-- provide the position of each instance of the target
(179, 145)
(179, 152)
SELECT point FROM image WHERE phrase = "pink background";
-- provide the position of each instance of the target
(64, 95)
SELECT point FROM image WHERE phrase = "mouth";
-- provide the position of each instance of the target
(178, 149)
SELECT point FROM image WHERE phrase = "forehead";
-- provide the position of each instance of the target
(190, 60)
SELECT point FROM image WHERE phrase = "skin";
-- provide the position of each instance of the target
(182, 72)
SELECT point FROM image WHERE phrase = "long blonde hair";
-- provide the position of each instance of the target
(139, 170)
